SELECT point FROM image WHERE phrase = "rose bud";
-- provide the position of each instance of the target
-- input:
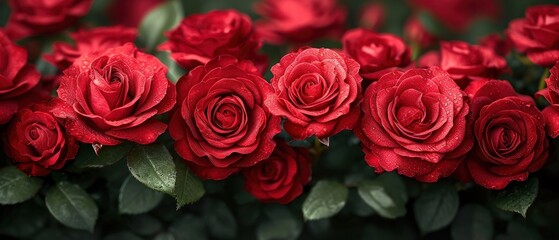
(110, 97)
(537, 34)
(415, 123)
(372, 16)
(299, 21)
(201, 37)
(17, 78)
(551, 94)
(37, 143)
(510, 137)
(130, 13)
(39, 17)
(220, 124)
(95, 40)
(376, 53)
(318, 91)
(416, 33)
(281, 177)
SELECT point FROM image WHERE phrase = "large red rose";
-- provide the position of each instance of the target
(37, 17)
(415, 122)
(551, 94)
(376, 53)
(537, 34)
(458, 14)
(281, 177)
(131, 12)
(201, 37)
(318, 91)
(299, 21)
(510, 137)
(109, 97)
(37, 143)
(95, 40)
(16, 78)
(220, 124)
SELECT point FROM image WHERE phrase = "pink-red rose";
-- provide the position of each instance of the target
(37, 17)
(16, 78)
(318, 91)
(376, 53)
(220, 124)
(201, 37)
(510, 139)
(37, 143)
(537, 34)
(299, 21)
(110, 97)
(551, 94)
(415, 123)
(281, 177)
(85, 41)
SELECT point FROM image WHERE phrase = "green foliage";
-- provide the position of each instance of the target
(473, 222)
(153, 166)
(157, 22)
(436, 207)
(386, 194)
(325, 200)
(16, 187)
(72, 206)
(135, 197)
(106, 156)
(518, 197)
(188, 188)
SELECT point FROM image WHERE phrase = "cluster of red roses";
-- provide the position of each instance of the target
(443, 115)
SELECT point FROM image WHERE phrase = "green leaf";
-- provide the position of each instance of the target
(153, 166)
(164, 236)
(386, 194)
(436, 207)
(157, 21)
(174, 71)
(189, 227)
(473, 222)
(143, 224)
(325, 200)
(16, 186)
(108, 155)
(23, 220)
(122, 236)
(280, 224)
(72, 206)
(136, 198)
(219, 219)
(188, 188)
(517, 197)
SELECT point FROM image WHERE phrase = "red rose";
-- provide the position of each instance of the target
(415, 122)
(201, 37)
(110, 97)
(458, 14)
(131, 12)
(220, 124)
(299, 21)
(16, 78)
(95, 40)
(551, 94)
(376, 53)
(416, 33)
(281, 177)
(537, 34)
(318, 91)
(510, 137)
(372, 16)
(496, 42)
(37, 17)
(37, 143)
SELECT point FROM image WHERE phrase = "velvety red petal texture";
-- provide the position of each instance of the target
(39, 17)
(415, 123)
(220, 124)
(109, 97)
(318, 91)
(37, 143)
(201, 37)
(551, 94)
(281, 177)
(510, 137)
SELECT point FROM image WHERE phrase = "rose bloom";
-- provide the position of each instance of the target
(37, 143)
(131, 12)
(38, 17)
(372, 16)
(551, 94)
(510, 137)
(318, 91)
(281, 177)
(415, 122)
(95, 40)
(220, 124)
(376, 53)
(17, 78)
(110, 97)
(299, 21)
(458, 14)
(416, 33)
(201, 37)
(537, 34)
(496, 42)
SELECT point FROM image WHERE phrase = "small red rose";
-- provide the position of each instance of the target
(551, 94)
(281, 177)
